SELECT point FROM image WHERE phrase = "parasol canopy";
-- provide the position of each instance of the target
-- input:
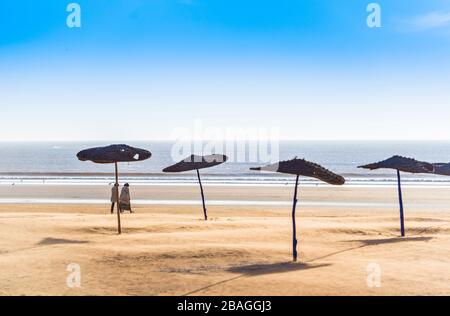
(305, 168)
(196, 162)
(403, 164)
(114, 153)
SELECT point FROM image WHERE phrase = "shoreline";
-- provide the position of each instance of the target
(416, 197)
(105, 202)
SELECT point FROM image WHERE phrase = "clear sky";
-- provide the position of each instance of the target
(139, 69)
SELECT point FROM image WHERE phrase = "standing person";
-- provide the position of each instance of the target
(125, 204)
(114, 196)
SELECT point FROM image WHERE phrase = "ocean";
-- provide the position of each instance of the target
(56, 163)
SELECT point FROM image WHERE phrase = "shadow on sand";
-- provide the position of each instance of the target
(260, 269)
(57, 241)
(371, 242)
(281, 267)
(375, 242)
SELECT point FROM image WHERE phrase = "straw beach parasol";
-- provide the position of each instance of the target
(195, 162)
(114, 154)
(301, 167)
(400, 163)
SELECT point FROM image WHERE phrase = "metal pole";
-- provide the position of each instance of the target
(203, 196)
(400, 198)
(119, 228)
(294, 226)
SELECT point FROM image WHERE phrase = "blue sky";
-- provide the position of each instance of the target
(140, 69)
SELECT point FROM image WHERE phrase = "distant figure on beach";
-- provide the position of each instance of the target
(125, 204)
(114, 196)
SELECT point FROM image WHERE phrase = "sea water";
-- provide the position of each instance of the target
(56, 163)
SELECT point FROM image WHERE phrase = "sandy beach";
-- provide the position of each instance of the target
(241, 250)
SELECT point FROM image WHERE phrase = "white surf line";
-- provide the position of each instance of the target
(190, 202)
(356, 185)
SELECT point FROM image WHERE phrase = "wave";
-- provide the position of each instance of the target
(65, 178)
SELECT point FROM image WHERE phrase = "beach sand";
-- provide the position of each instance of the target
(241, 250)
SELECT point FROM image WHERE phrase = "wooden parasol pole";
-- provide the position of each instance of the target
(400, 198)
(119, 228)
(203, 196)
(294, 226)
